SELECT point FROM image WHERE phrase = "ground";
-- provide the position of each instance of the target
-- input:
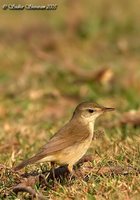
(50, 62)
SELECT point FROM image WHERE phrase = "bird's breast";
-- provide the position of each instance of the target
(72, 154)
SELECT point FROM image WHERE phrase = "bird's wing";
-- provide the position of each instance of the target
(65, 137)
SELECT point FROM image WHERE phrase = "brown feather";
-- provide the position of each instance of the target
(65, 137)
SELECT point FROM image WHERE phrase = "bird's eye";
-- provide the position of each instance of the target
(91, 110)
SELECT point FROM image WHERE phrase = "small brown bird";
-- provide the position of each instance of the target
(72, 141)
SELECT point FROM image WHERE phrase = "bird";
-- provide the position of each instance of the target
(72, 141)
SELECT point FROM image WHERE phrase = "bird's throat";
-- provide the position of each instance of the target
(91, 128)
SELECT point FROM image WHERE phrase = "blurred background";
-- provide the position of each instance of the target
(52, 60)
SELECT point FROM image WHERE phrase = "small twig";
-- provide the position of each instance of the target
(42, 178)
(115, 170)
(28, 189)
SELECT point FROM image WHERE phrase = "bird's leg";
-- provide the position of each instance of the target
(70, 168)
(72, 172)
(53, 169)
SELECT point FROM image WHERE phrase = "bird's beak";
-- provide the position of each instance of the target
(107, 109)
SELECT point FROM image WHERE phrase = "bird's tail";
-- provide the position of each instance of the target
(25, 163)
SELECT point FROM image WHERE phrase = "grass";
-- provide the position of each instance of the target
(45, 59)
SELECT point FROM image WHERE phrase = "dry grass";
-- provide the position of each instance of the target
(49, 62)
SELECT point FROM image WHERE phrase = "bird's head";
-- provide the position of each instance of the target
(89, 111)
